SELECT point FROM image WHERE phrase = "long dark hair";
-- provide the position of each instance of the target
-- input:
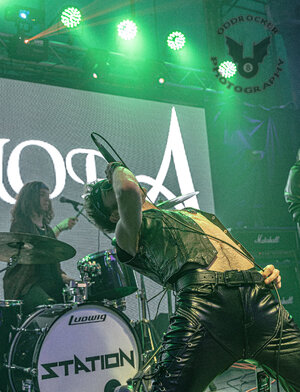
(28, 203)
(94, 206)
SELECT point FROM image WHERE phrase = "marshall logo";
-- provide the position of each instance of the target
(96, 318)
(76, 365)
(267, 240)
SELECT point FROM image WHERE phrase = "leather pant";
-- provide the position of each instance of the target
(215, 326)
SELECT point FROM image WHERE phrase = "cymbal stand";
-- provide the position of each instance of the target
(13, 260)
(148, 340)
(169, 299)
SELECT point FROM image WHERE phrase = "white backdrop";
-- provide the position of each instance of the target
(45, 135)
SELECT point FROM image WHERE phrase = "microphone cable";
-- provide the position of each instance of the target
(107, 142)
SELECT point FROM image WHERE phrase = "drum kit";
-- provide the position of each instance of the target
(85, 344)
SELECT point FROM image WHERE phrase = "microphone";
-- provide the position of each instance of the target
(73, 202)
(107, 156)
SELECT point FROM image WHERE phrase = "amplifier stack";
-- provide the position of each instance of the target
(278, 246)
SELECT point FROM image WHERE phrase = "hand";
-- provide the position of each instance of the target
(271, 274)
(110, 168)
(72, 222)
(66, 224)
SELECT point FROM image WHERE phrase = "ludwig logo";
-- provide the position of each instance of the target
(248, 65)
(94, 318)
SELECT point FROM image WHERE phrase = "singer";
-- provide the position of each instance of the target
(39, 284)
(225, 309)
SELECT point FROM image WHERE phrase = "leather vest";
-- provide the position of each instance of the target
(170, 240)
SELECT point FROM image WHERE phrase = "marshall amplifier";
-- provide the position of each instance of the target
(261, 240)
(278, 247)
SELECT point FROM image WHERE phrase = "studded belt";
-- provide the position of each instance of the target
(227, 278)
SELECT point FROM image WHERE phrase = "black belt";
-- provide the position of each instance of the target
(227, 278)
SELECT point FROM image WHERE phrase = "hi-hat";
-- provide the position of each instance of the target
(34, 249)
(177, 200)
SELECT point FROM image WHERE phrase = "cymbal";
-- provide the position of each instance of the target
(177, 200)
(35, 249)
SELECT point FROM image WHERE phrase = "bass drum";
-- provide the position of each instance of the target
(74, 348)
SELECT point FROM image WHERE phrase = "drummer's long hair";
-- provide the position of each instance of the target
(28, 203)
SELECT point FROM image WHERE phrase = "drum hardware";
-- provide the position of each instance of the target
(119, 303)
(35, 330)
(27, 386)
(10, 317)
(31, 371)
(148, 340)
(14, 259)
(141, 382)
(109, 279)
(76, 292)
(32, 249)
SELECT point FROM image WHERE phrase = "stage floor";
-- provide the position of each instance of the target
(241, 380)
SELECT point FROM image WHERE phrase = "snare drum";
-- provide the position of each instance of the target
(74, 348)
(109, 278)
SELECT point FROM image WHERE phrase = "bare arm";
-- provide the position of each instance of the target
(129, 200)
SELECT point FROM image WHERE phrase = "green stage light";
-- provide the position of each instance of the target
(227, 69)
(176, 40)
(127, 29)
(71, 17)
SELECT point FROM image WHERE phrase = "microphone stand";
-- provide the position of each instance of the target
(169, 299)
(80, 212)
(147, 330)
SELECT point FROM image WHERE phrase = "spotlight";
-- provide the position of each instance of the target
(24, 14)
(176, 40)
(161, 80)
(227, 69)
(127, 29)
(70, 17)
(23, 49)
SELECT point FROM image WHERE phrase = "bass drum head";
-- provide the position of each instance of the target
(89, 347)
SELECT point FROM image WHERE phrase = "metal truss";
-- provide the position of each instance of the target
(257, 6)
(72, 66)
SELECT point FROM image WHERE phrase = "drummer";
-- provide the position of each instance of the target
(38, 284)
